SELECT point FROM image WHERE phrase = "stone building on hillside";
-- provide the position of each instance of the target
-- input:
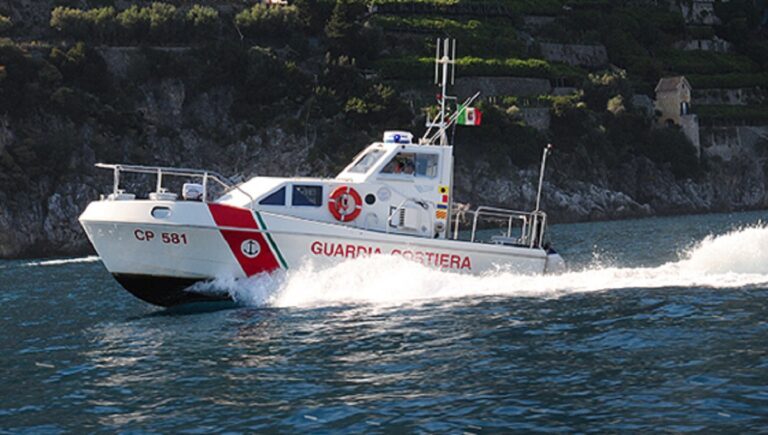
(673, 104)
(699, 12)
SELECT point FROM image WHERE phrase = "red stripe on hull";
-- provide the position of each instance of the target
(238, 241)
(228, 216)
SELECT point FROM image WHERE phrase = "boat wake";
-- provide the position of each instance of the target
(732, 260)
(88, 259)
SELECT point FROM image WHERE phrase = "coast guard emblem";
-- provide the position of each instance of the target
(250, 248)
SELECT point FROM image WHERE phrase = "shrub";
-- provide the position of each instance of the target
(82, 66)
(134, 21)
(268, 20)
(162, 21)
(412, 67)
(69, 21)
(754, 115)
(731, 81)
(98, 23)
(102, 22)
(670, 145)
(20, 91)
(202, 20)
(706, 62)
(379, 105)
(5, 23)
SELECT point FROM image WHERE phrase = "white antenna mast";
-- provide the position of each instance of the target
(445, 55)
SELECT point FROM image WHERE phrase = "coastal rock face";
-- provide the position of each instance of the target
(172, 125)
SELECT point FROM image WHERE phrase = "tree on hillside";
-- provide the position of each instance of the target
(5, 23)
(348, 37)
(342, 28)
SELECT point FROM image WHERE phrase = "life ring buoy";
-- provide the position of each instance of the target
(345, 204)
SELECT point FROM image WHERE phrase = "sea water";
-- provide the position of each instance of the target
(659, 325)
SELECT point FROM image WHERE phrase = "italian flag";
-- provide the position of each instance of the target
(469, 116)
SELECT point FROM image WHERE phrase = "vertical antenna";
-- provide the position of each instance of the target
(453, 64)
(445, 54)
(437, 58)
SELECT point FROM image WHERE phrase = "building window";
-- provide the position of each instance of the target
(685, 108)
(275, 198)
(311, 196)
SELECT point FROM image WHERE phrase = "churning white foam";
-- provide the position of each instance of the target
(736, 259)
(88, 259)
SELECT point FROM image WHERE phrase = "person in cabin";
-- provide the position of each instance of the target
(402, 163)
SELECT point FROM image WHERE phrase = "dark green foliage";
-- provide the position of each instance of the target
(423, 67)
(500, 140)
(314, 14)
(601, 87)
(270, 21)
(741, 25)
(670, 145)
(265, 83)
(158, 22)
(380, 106)
(5, 24)
(342, 25)
(82, 66)
(347, 35)
(751, 115)
(730, 81)
(706, 62)
(202, 21)
(613, 138)
(26, 80)
(96, 23)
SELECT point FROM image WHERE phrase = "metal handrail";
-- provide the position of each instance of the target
(160, 171)
(533, 223)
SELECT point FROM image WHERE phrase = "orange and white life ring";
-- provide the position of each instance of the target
(345, 204)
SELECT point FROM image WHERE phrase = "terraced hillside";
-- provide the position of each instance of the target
(245, 88)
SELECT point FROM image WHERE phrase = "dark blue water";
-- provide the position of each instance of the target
(640, 337)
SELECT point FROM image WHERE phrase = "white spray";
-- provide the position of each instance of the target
(736, 259)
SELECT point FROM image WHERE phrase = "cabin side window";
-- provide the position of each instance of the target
(311, 196)
(413, 164)
(275, 198)
(426, 165)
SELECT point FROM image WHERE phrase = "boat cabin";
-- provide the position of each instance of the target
(395, 186)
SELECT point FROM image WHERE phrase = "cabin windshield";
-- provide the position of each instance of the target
(367, 161)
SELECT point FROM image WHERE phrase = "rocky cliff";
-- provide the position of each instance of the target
(302, 107)
(38, 214)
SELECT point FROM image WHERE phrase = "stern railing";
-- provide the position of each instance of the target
(520, 228)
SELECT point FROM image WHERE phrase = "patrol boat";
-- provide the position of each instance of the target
(394, 198)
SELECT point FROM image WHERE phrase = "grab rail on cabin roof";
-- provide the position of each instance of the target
(160, 171)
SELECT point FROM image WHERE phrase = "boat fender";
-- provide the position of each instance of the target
(345, 204)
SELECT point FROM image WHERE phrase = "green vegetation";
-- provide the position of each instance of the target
(706, 62)
(263, 20)
(728, 81)
(423, 68)
(485, 38)
(334, 71)
(5, 23)
(739, 114)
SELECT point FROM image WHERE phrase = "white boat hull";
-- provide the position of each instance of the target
(157, 258)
